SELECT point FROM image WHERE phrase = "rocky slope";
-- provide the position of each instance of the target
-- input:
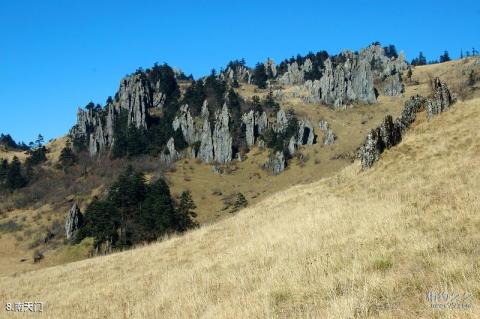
(346, 78)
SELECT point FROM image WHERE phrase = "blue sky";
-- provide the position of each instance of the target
(58, 55)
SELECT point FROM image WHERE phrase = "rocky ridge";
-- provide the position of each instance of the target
(389, 132)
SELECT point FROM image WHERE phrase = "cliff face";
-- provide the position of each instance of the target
(347, 78)
(213, 135)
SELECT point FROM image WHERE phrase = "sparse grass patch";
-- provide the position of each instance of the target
(10, 227)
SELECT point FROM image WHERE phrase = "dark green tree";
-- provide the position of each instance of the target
(260, 76)
(185, 211)
(37, 156)
(15, 178)
(444, 57)
(157, 215)
(67, 157)
(101, 221)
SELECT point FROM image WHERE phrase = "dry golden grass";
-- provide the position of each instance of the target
(351, 127)
(354, 245)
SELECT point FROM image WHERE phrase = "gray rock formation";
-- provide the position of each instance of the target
(390, 132)
(440, 100)
(184, 121)
(73, 222)
(295, 74)
(222, 139)
(135, 96)
(276, 163)
(383, 137)
(270, 68)
(292, 146)
(281, 122)
(205, 152)
(248, 119)
(254, 123)
(240, 73)
(170, 154)
(95, 128)
(329, 135)
(409, 113)
(370, 151)
(351, 81)
(306, 133)
(382, 65)
(393, 85)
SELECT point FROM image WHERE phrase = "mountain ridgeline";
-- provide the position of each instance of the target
(160, 112)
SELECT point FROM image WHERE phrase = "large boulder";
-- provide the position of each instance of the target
(73, 221)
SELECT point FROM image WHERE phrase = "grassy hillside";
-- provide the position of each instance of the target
(352, 245)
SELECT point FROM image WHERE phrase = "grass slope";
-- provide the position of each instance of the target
(354, 245)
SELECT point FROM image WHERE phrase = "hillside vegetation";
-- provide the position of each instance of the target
(352, 245)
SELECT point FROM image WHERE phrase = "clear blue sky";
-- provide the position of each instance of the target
(58, 55)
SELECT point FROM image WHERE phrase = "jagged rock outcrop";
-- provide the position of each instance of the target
(255, 123)
(329, 135)
(441, 99)
(240, 73)
(276, 163)
(292, 145)
(135, 96)
(409, 113)
(295, 74)
(222, 139)
(349, 78)
(383, 137)
(306, 133)
(248, 119)
(73, 221)
(370, 152)
(341, 85)
(95, 128)
(281, 122)
(170, 154)
(270, 68)
(390, 132)
(393, 85)
(184, 121)
(205, 152)
(382, 65)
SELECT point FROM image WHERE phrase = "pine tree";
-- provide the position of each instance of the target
(39, 140)
(185, 211)
(260, 76)
(67, 156)
(15, 179)
(444, 57)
